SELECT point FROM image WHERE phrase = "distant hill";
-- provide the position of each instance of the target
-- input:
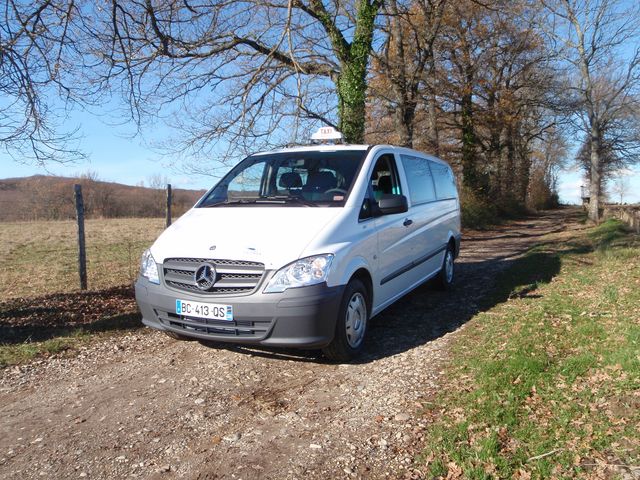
(43, 197)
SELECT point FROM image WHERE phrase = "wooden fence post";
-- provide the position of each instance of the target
(168, 209)
(82, 254)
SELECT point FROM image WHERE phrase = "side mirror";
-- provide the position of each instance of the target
(391, 203)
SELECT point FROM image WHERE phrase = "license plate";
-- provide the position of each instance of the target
(204, 310)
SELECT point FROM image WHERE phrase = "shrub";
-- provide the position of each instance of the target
(477, 212)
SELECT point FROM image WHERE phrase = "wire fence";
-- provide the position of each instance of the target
(41, 258)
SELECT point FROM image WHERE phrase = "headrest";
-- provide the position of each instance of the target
(384, 184)
(321, 180)
(290, 180)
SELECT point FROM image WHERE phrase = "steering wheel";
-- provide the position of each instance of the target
(336, 190)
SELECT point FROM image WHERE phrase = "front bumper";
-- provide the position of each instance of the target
(297, 317)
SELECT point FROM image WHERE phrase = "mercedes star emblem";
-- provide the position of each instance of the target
(205, 276)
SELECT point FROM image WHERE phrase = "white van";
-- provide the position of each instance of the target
(300, 247)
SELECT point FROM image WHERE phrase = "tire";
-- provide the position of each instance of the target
(351, 325)
(446, 276)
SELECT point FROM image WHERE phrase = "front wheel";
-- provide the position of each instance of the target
(351, 325)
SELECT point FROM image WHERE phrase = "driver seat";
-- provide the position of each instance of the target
(318, 183)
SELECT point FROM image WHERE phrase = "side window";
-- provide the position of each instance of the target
(247, 184)
(419, 178)
(444, 180)
(385, 179)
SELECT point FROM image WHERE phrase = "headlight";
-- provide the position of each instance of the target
(149, 268)
(301, 273)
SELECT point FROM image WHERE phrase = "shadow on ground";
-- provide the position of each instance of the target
(427, 313)
(43, 318)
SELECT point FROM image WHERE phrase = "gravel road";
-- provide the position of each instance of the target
(143, 405)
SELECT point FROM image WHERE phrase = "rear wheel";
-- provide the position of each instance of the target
(351, 326)
(445, 278)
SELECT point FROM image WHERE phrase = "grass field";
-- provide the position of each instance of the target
(547, 384)
(41, 257)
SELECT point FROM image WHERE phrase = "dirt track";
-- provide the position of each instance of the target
(143, 405)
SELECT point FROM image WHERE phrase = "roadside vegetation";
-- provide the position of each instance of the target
(547, 382)
(67, 344)
(479, 214)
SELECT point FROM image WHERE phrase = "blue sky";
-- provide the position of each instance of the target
(117, 156)
(571, 180)
(112, 152)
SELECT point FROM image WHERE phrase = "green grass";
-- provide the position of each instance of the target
(66, 341)
(546, 382)
(28, 351)
(41, 257)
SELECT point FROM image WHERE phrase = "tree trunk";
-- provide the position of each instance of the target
(351, 88)
(405, 125)
(433, 136)
(595, 186)
(351, 84)
(405, 111)
(505, 174)
(471, 178)
(523, 170)
(511, 190)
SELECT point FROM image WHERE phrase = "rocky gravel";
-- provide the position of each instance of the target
(142, 405)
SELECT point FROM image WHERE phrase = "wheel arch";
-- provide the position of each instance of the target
(362, 273)
(454, 242)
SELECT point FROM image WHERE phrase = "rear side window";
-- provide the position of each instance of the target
(419, 179)
(444, 181)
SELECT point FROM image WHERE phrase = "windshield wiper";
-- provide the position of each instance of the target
(267, 199)
(285, 199)
(242, 201)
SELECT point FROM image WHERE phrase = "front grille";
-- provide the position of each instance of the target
(233, 276)
(249, 329)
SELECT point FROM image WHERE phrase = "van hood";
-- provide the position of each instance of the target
(274, 236)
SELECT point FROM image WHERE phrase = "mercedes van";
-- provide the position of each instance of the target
(301, 247)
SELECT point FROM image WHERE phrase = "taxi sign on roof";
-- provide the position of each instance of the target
(326, 133)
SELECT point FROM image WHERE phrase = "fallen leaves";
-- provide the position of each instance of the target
(24, 319)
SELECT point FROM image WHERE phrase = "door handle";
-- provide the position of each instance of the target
(407, 222)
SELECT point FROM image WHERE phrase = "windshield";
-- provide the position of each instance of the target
(289, 178)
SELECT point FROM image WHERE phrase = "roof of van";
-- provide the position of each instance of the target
(316, 148)
(334, 148)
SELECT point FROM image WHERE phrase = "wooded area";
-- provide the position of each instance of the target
(506, 91)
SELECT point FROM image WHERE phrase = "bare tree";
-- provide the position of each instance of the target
(157, 181)
(620, 185)
(549, 156)
(247, 73)
(600, 43)
(619, 145)
(35, 49)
